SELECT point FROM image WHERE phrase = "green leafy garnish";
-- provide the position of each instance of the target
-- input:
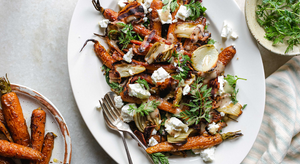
(244, 106)
(114, 86)
(232, 82)
(211, 41)
(280, 20)
(145, 108)
(182, 65)
(200, 105)
(174, 5)
(127, 34)
(159, 158)
(143, 83)
(196, 9)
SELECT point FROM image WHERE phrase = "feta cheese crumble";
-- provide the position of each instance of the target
(138, 91)
(118, 101)
(154, 132)
(183, 13)
(128, 56)
(174, 126)
(186, 90)
(122, 3)
(221, 84)
(160, 75)
(208, 155)
(147, 3)
(196, 151)
(103, 23)
(150, 10)
(127, 115)
(226, 29)
(213, 128)
(222, 114)
(165, 16)
(233, 35)
(152, 142)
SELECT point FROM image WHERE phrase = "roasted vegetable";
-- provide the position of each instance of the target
(204, 59)
(47, 148)
(38, 120)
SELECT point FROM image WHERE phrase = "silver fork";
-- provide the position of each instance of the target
(114, 117)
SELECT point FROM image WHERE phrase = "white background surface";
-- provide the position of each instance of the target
(33, 44)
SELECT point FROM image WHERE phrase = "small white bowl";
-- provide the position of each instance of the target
(258, 32)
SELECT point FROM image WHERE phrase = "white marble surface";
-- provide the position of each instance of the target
(33, 44)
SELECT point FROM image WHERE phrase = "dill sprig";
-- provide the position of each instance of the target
(280, 20)
(143, 83)
(126, 35)
(159, 158)
(200, 105)
(145, 108)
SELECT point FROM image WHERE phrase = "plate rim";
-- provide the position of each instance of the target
(54, 111)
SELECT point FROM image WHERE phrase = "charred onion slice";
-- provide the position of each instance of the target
(232, 109)
(159, 52)
(204, 58)
(132, 9)
(127, 70)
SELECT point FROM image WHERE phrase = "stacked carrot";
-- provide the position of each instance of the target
(36, 149)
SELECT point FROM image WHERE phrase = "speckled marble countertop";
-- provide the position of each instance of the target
(33, 44)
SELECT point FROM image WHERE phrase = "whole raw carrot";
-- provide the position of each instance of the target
(13, 150)
(13, 114)
(47, 148)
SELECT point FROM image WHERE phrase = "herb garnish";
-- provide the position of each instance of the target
(114, 86)
(145, 108)
(196, 9)
(232, 82)
(280, 20)
(126, 35)
(200, 105)
(172, 4)
(159, 158)
(211, 41)
(182, 65)
(143, 83)
(244, 106)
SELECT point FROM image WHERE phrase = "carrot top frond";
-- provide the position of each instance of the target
(4, 85)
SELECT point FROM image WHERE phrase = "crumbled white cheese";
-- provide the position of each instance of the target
(208, 155)
(222, 114)
(186, 90)
(174, 21)
(127, 115)
(165, 16)
(145, 19)
(174, 126)
(118, 101)
(145, 9)
(150, 10)
(226, 29)
(103, 23)
(128, 56)
(213, 128)
(122, 3)
(233, 35)
(180, 69)
(160, 75)
(147, 3)
(207, 22)
(138, 91)
(196, 151)
(221, 82)
(183, 13)
(154, 132)
(152, 142)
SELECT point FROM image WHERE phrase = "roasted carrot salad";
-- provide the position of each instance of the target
(169, 76)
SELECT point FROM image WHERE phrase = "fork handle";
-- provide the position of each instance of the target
(126, 147)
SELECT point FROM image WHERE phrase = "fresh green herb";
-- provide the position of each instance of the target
(174, 5)
(196, 9)
(159, 158)
(211, 41)
(143, 83)
(200, 105)
(146, 24)
(127, 35)
(165, 2)
(166, 5)
(114, 86)
(145, 108)
(280, 20)
(182, 65)
(244, 106)
(232, 82)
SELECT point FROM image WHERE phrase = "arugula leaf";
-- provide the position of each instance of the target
(280, 20)
(114, 86)
(159, 158)
(145, 108)
(200, 105)
(143, 83)
(196, 9)
(232, 82)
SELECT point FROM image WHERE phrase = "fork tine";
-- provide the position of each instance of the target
(107, 121)
(109, 98)
(105, 110)
(110, 108)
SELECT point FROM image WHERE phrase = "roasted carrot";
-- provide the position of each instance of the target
(196, 142)
(38, 120)
(13, 150)
(171, 36)
(155, 24)
(4, 160)
(13, 114)
(47, 148)
(143, 31)
(107, 13)
(5, 132)
(165, 105)
(2, 117)
(226, 55)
